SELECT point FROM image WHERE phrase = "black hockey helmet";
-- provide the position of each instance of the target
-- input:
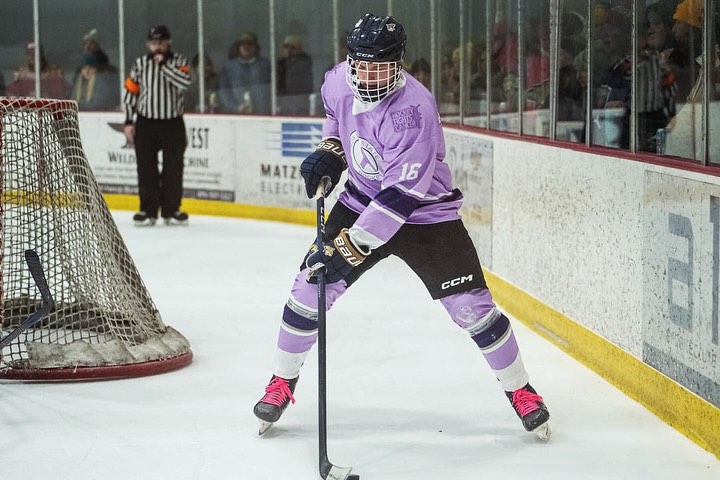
(377, 39)
(158, 32)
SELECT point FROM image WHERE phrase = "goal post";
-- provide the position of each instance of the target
(105, 324)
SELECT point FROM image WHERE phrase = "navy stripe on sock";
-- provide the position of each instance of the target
(297, 321)
(493, 333)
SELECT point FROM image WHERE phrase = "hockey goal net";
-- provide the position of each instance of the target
(104, 323)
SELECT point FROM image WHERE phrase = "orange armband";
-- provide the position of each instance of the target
(132, 86)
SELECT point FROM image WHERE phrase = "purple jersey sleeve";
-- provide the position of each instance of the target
(395, 151)
(330, 128)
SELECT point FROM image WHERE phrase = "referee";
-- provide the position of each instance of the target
(154, 106)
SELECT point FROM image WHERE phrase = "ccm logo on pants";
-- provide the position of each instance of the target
(456, 281)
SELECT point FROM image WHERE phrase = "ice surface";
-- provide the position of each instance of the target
(409, 395)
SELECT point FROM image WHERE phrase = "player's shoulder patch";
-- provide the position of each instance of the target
(406, 118)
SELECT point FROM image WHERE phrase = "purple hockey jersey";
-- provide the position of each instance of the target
(395, 150)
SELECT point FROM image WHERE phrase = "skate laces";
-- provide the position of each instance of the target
(277, 392)
(525, 401)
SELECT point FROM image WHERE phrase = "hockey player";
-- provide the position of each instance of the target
(382, 126)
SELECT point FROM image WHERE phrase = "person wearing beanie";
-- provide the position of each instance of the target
(245, 79)
(690, 12)
(685, 57)
(91, 45)
(96, 83)
(294, 77)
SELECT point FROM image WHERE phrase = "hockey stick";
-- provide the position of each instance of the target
(36, 270)
(328, 471)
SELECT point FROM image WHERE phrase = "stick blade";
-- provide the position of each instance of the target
(340, 473)
(36, 270)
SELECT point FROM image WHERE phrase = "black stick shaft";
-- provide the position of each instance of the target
(324, 463)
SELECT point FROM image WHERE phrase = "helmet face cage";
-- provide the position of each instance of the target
(371, 81)
(376, 47)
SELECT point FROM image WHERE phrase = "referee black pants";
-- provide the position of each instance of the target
(160, 190)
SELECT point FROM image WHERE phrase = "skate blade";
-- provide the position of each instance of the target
(177, 223)
(543, 432)
(340, 473)
(263, 427)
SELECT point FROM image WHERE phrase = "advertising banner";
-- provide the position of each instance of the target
(209, 157)
(273, 150)
(242, 159)
(681, 280)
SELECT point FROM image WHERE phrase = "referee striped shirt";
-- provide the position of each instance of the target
(156, 91)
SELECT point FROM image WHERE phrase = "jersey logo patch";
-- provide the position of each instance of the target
(406, 118)
(365, 159)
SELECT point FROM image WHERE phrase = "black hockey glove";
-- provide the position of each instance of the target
(338, 259)
(328, 160)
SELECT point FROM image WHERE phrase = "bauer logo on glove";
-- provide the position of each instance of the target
(337, 261)
(333, 146)
(328, 160)
(348, 250)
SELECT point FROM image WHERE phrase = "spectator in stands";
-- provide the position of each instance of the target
(685, 134)
(294, 68)
(504, 63)
(470, 70)
(683, 57)
(478, 80)
(2, 85)
(659, 25)
(504, 49)
(192, 94)
(601, 58)
(245, 79)
(659, 37)
(449, 83)
(537, 62)
(570, 92)
(421, 70)
(96, 85)
(294, 77)
(52, 78)
(616, 77)
(91, 45)
(656, 87)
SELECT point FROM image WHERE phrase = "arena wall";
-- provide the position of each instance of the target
(615, 261)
